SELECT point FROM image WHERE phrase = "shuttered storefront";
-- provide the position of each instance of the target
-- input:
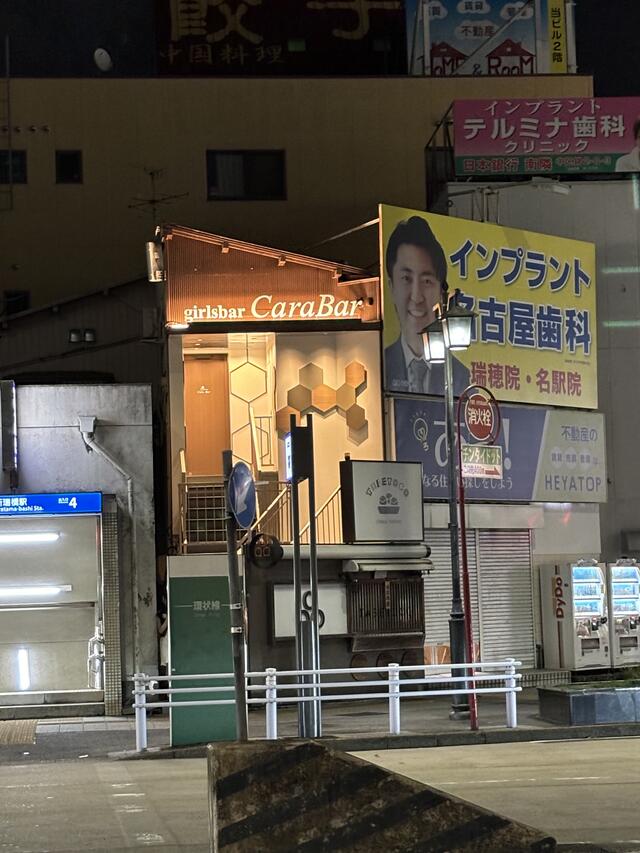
(437, 587)
(506, 596)
(501, 593)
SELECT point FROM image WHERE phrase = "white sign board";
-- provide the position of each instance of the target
(382, 501)
(288, 457)
(332, 601)
(482, 460)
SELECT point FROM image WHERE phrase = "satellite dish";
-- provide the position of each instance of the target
(102, 59)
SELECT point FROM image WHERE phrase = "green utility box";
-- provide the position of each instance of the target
(200, 643)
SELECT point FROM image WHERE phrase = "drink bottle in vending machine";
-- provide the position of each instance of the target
(624, 612)
(575, 619)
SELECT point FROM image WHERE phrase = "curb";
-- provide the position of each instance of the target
(364, 743)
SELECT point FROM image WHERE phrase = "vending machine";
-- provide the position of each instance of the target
(574, 616)
(624, 612)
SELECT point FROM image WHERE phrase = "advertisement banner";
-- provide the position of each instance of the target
(557, 29)
(486, 37)
(534, 334)
(276, 38)
(546, 136)
(553, 455)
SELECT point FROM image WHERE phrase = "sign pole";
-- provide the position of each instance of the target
(313, 585)
(466, 589)
(297, 581)
(459, 704)
(485, 427)
(237, 610)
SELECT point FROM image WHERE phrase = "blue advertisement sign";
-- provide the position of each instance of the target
(66, 503)
(555, 455)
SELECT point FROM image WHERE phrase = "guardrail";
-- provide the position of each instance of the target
(277, 692)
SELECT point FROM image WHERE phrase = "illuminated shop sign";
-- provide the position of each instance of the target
(68, 503)
(268, 307)
(209, 280)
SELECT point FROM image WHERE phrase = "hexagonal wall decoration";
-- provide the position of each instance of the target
(355, 374)
(323, 398)
(299, 397)
(310, 375)
(356, 417)
(248, 382)
(283, 420)
(241, 443)
(345, 397)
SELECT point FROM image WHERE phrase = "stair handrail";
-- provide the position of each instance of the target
(334, 494)
(282, 495)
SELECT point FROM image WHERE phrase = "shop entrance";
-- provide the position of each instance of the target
(51, 623)
(206, 413)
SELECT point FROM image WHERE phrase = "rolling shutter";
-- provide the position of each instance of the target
(437, 586)
(506, 596)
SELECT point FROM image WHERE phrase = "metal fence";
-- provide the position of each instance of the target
(273, 688)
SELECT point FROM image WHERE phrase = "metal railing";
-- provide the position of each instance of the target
(328, 522)
(203, 512)
(276, 517)
(438, 680)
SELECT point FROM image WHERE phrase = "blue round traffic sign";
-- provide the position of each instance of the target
(242, 495)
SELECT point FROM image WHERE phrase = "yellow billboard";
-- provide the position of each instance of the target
(534, 333)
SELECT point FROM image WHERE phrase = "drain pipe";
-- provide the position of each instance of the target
(87, 425)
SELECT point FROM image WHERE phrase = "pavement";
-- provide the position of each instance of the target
(63, 791)
(350, 726)
(582, 794)
(104, 806)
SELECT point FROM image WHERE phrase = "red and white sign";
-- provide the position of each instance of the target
(480, 417)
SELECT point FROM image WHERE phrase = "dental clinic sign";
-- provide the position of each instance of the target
(211, 281)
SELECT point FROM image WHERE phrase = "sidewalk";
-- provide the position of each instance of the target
(347, 725)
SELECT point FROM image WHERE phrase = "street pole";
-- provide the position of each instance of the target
(313, 585)
(459, 704)
(297, 584)
(236, 607)
(466, 588)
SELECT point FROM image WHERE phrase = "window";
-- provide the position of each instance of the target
(68, 167)
(18, 167)
(246, 175)
(16, 301)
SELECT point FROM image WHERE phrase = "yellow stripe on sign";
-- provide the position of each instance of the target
(557, 30)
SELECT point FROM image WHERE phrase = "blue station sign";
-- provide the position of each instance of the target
(65, 503)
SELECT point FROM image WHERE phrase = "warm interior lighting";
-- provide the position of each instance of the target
(33, 591)
(177, 327)
(22, 538)
(433, 343)
(24, 675)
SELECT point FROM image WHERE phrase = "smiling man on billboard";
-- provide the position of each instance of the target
(416, 267)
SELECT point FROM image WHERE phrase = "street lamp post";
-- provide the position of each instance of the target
(451, 331)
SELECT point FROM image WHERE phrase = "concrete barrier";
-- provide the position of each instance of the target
(303, 796)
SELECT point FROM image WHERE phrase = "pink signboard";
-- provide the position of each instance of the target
(547, 136)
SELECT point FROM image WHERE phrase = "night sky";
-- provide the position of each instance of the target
(607, 33)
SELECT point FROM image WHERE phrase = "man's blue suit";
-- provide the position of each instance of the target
(396, 378)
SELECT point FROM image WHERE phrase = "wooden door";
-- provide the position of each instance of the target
(206, 413)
